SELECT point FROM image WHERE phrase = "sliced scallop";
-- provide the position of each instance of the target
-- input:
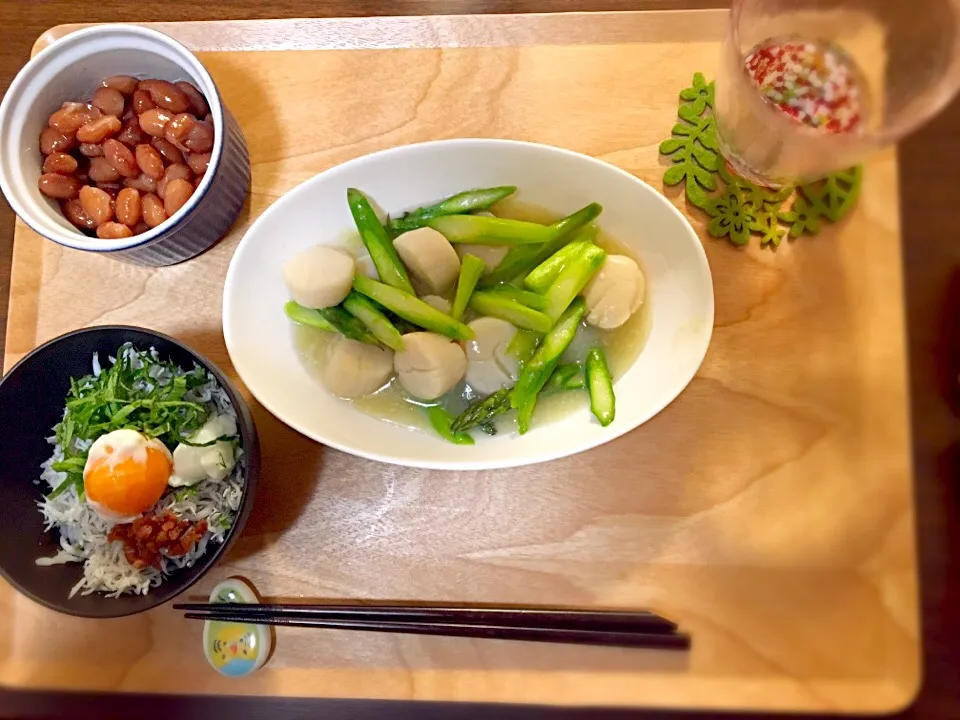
(490, 366)
(430, 365)
(614, 293)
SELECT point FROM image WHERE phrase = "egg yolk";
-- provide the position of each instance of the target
(128, 486)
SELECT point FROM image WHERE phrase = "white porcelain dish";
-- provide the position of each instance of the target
(71, 69)
(259, 336)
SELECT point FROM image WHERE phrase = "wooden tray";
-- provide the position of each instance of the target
(768, 510)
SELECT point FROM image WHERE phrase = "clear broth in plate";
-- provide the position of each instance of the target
(622, 347)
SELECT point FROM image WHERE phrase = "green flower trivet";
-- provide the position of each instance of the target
(738, 208)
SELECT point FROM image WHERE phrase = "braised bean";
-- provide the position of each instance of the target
(110, 188)
(150, 161)
(131, 134)
(178, 192)
(102, 171)
(60, 163)
(198, 162)
(200, 138)
(142, 102)
(142, 152)
(73, 211)
(166, 95)
(113, 231)
(97, 204)
(109, 101)
(52, 140)
(170, 154)
(119, 155)
(198, 103)
(124, 83)
(96, 130)
(61, 187)
(179, 128)
(128, 207)
(144, 183)
(153, 210)
(91, 150)
(173, 172)
(153, 122)
(72, 116)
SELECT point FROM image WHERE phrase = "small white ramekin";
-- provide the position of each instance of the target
(71, 69)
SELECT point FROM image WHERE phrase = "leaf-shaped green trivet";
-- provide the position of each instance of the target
(736, 206)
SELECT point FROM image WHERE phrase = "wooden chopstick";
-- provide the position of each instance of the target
(608, 638)
(558, 618)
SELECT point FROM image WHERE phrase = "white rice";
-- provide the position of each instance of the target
(83, 533)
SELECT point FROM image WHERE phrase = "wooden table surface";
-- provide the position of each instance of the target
(932, 295)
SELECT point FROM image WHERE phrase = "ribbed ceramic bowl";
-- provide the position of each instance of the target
(31, 403)
(71, 69)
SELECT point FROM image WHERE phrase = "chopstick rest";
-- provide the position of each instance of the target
(235, 649)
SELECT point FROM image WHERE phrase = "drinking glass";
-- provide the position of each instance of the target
(808, 87)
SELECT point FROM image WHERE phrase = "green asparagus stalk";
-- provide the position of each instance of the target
(482, 230)
(524, 297)
(471, 270)
(347, 325)
(441, 421)
(521, 260)
(603, 402)
(483, 411)
(523, 345)
(305, 316)
(384, 255)
(411, 308)
(535, 373)
(565, 377)
(366, 311)
(494, 305)
(572, 279)
(542, 276)
(465, 202)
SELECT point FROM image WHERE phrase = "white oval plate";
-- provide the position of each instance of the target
(259, 337)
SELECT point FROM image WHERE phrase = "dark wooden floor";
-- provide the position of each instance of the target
(930, 187)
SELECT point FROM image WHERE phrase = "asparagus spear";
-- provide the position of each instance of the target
(521, 260)
(572, 279)
(603, 402)
(465, 202)
(382, 252)
(494, 305)
(347, 325)
(483, 411)
(524, 297)
(523, 345)
(441, 420)
(375, 321)
(482, 230)
(471, 270)
(542, 276)
(565, 377)
(541, 366)
(305, 316)
(411, 308)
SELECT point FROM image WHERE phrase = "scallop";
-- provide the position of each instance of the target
(430, 365)
(437, 303)
(320, 277)
(354, 369)
(430, 258)
(491, 255)
(614, 293)
(489, 366)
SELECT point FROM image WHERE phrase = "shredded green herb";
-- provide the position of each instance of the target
(137, 392)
